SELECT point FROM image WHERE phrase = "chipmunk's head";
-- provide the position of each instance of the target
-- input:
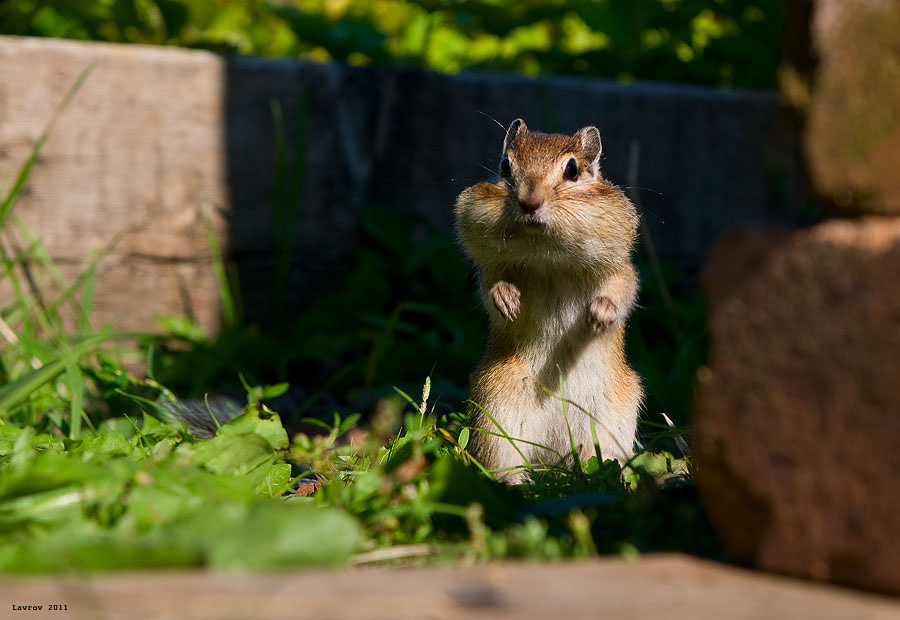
(550, 203)
(539, 168)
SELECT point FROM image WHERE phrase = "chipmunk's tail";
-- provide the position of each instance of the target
(203, 416)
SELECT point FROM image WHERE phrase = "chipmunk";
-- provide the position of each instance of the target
(552, 241)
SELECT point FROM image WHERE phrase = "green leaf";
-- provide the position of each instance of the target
(463, 440)
(110, 442)
(270, 534)
(273, 391)
(8, 436)
(276, 482)
(269, 428)
(237, 455)
(182, 328)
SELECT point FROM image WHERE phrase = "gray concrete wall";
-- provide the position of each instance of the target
(158, 137)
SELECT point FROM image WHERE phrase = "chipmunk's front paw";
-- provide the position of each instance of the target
(506, 299)
(603, 313)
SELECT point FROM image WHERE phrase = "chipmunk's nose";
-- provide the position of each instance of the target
(530, 203)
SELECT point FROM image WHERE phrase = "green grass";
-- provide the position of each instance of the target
(131, 488)
(140, 493)
(96, 474)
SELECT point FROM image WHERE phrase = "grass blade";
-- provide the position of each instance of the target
(7, 203)
(75, 384)
(229, 316)
(503, 432)
(565, 407)
(19, 390)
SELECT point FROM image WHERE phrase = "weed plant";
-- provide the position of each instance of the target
(97, 474)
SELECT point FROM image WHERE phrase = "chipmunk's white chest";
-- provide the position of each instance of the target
(567, 373)
(553, 311)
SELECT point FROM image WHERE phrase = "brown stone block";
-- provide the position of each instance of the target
(798, 412)
(853, 132)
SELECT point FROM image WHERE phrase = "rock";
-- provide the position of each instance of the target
(852, 139)
(797, 414)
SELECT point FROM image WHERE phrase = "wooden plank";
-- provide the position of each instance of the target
(671, 586)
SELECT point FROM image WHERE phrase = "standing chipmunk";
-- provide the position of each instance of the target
(552, 242)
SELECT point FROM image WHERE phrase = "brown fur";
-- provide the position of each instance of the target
(558, 284)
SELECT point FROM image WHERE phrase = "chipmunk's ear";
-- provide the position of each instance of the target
(516, 127)
(591, 148)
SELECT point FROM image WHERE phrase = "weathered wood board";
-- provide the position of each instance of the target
(671, 586)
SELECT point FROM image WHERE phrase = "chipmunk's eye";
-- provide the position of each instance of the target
(504, 167)
(571, 171)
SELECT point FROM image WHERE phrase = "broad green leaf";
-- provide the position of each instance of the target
(276, 482)
(269, 428)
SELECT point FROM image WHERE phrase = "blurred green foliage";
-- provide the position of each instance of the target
(713, 42)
